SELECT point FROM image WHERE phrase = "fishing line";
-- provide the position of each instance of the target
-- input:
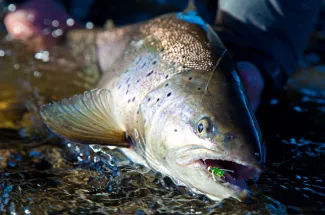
(220, 45)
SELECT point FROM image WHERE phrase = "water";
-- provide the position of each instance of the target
(41, 175)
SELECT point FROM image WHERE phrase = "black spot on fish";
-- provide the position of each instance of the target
(138, 81)
(154, 62)
(166, 85)
(190, 78)
(133, 99)
(143, 65)
(158, 100)
(129, 100)
(150, 73)
(162, 49)
(199, 88)
(175, 130)
(149, 99)
(166, 76)
(119, 87)
(184, 67)
(169, 94)
(127, 92)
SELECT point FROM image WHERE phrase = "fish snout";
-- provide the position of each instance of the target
(241, 151)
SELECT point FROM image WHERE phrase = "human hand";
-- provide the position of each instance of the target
(29, 21)
(253, 82)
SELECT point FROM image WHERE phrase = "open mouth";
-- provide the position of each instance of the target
(234, 172)
(230, 173)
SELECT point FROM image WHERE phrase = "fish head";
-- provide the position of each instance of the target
(205, 122)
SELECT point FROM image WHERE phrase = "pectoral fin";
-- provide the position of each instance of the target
(87, 118)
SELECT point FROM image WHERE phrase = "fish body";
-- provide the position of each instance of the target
(171, 99)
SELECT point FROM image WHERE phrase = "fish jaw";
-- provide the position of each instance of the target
(190, 166)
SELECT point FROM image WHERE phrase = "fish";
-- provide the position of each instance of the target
(170, 98)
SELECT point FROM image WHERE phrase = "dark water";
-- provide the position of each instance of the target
(41, 175)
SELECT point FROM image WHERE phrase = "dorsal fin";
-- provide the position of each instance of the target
(87, 118)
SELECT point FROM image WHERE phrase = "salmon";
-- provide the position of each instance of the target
(170, 98)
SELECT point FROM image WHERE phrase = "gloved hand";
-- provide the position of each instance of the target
(253, 82)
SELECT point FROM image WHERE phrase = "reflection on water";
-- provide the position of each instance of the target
(29, 79)
(40, 175)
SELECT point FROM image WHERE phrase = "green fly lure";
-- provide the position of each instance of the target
(218, 172)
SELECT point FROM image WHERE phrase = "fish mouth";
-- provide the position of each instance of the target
(234, 175)
(235, 172)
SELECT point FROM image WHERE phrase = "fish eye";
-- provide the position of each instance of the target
(200, 127)
(203, 126)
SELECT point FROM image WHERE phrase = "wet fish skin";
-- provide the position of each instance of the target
(162, 79)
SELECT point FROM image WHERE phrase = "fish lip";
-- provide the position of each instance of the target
(197, 152)
(209, 154)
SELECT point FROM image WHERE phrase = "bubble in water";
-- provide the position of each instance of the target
(12, 7)
(42, 55)
(70, 22)
(37, 74)
(57, 33)
(46, 54)
(16, 66)
(89, 25)
(38, 55)
(55, 23)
